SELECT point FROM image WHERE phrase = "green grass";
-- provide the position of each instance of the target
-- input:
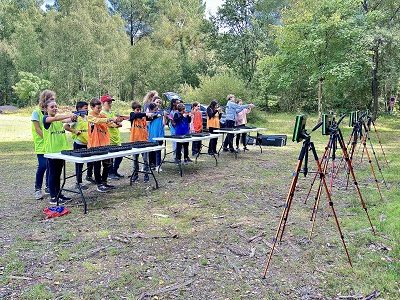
(211, 210)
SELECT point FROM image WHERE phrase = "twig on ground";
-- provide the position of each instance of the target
(238, 251)
(261, 234)
(19, 277)
(166, 289)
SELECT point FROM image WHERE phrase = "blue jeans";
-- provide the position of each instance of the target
(229, 137)
(116, 162)
(41, 169)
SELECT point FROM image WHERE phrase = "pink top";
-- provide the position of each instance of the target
(241, 117)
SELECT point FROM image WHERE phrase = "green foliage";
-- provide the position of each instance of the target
(217, 87)
(28, 87)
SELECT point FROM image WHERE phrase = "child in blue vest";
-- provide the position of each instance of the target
(156, 128)
(182, 120)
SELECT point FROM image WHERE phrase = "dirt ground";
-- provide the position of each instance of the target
(206, 235)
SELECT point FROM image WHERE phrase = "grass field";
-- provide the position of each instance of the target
(205, 235)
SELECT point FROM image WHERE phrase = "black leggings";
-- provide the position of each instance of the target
(98, 176)
(185, 150)
(55, 167)
(212, 145)
(243, 135)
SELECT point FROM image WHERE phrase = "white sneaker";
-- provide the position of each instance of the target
(38, 195)
(158, 169)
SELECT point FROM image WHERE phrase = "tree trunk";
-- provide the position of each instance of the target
(320, 83)
(375, 83)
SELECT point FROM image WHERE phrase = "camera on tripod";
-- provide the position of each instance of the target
(353, 118)
(299, 132)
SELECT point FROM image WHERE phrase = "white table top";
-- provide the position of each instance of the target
(93, 158)
(241, 130)
(191, 139)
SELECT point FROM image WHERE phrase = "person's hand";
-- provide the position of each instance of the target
(251, 105)
(149, 114)
(73, 117)
(119, 119)
(78, 132)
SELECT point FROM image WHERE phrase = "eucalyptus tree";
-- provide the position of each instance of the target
(240, 33)
(138, 15)
(321, 61)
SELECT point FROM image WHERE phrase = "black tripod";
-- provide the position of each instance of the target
(335, 138)
(303, 157)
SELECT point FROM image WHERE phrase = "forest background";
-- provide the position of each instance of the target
(309, 55)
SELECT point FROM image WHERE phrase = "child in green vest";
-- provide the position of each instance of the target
(115, 135)
(55, 140)
(37, 134)
(79, 130)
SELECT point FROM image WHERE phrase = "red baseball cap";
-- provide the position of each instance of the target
(106, 98)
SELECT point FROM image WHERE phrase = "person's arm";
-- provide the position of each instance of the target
(37, 128)
(63, 118)
(211, 112)
(134, 116)
(69, 128)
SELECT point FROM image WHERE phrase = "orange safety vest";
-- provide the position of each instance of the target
(139, 131)
(98, 134)
(213, 122)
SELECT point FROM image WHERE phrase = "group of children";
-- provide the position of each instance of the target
(100, 125)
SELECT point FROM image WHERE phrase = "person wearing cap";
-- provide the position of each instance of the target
(115, 135)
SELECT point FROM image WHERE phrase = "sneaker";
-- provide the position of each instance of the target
(232, 151)
(47, 191)
(187, 160)
(113, 176)
(119, 175)
(102, 189)
(109, 186)
(246, 149)
(134, 178)
(90, 180)
(64, 198)
(158, 169)
(225, 149)
(53, 201)
(83, 187)
(178, 161)
(38, 195)
(237, 149)
(146, 178)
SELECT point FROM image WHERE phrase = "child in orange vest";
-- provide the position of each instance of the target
(196, 126)
(98, 135)
(139, 133)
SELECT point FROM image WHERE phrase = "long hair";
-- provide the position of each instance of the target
(149, 97)
(45, 96)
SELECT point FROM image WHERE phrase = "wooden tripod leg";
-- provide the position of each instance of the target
(372, 168)
(318, 195)
(349, 165)
(380, 143)
(376, 159)
(316, 174)
(289, 199)
(351, 159)
(342, 160)
(330, 202)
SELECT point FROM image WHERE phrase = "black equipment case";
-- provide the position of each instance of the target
(277, 140)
